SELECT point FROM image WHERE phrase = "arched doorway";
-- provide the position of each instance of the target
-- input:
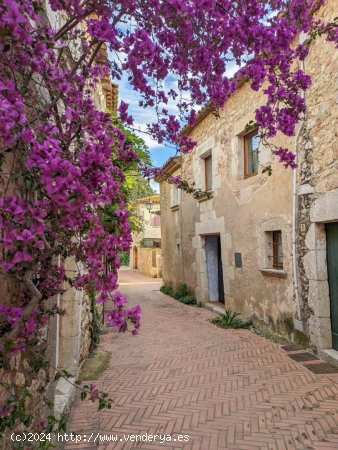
(135, 258)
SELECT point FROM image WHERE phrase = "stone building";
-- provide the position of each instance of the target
(145, 255)
(265, 246)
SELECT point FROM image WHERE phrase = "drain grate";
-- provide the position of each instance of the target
(321, 368)
(305, 356)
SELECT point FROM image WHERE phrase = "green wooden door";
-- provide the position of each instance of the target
(332, 268)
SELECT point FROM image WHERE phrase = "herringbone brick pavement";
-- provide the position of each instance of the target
(225, 389)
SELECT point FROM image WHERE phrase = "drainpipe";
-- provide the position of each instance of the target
(180, 225)
(298, 323)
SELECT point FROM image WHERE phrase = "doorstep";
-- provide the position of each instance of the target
(330, 355)
(312, 362)
(216, 307)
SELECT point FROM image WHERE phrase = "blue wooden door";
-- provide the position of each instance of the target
(332, 268)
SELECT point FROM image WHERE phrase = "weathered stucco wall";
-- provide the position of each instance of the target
(172, 271)
(241, 211)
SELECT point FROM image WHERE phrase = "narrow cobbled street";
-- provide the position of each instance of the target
(219, 389)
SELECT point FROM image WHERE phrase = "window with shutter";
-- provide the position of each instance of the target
(251, 144)
(208, 172)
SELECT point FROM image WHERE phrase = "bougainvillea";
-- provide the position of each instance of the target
(61, 156)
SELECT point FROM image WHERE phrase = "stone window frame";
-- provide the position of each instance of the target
(202, 229)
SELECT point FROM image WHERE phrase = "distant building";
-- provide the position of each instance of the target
(145, 255)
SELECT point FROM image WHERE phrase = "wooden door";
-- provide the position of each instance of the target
(220, 271)
(332, 269)
(214, 268)
(135, 258)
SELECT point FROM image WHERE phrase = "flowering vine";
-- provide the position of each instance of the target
(61, 156)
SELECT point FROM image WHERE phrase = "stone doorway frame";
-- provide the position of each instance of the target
(213, 226)
(323, 210)
(213, 260)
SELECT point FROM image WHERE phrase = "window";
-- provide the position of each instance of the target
(275, 249)
(156, 220)
(175, 196)
(157, 243)
(178, 249)
(251, 144)
(208, 172)
(150, 243)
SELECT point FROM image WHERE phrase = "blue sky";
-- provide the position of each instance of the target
(160, 153)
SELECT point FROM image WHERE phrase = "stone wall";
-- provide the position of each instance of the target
(241, 211)
(66, 339)
(39, 381)
(19, 373)
(150, 262)
(318, 184)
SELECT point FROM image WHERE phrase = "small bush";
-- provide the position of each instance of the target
(230, 320)
(124, 257)
(183, 291)
(182, 295)
(167, 290)
(188, 300)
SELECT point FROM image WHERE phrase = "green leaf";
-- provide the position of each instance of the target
(101, 406)
(267, 169)
(57, 376)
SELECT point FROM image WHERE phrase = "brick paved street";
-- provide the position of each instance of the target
(225, 389)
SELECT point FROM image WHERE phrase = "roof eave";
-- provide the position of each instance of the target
(169, 168)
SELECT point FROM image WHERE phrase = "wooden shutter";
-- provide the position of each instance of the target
(208, 172)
